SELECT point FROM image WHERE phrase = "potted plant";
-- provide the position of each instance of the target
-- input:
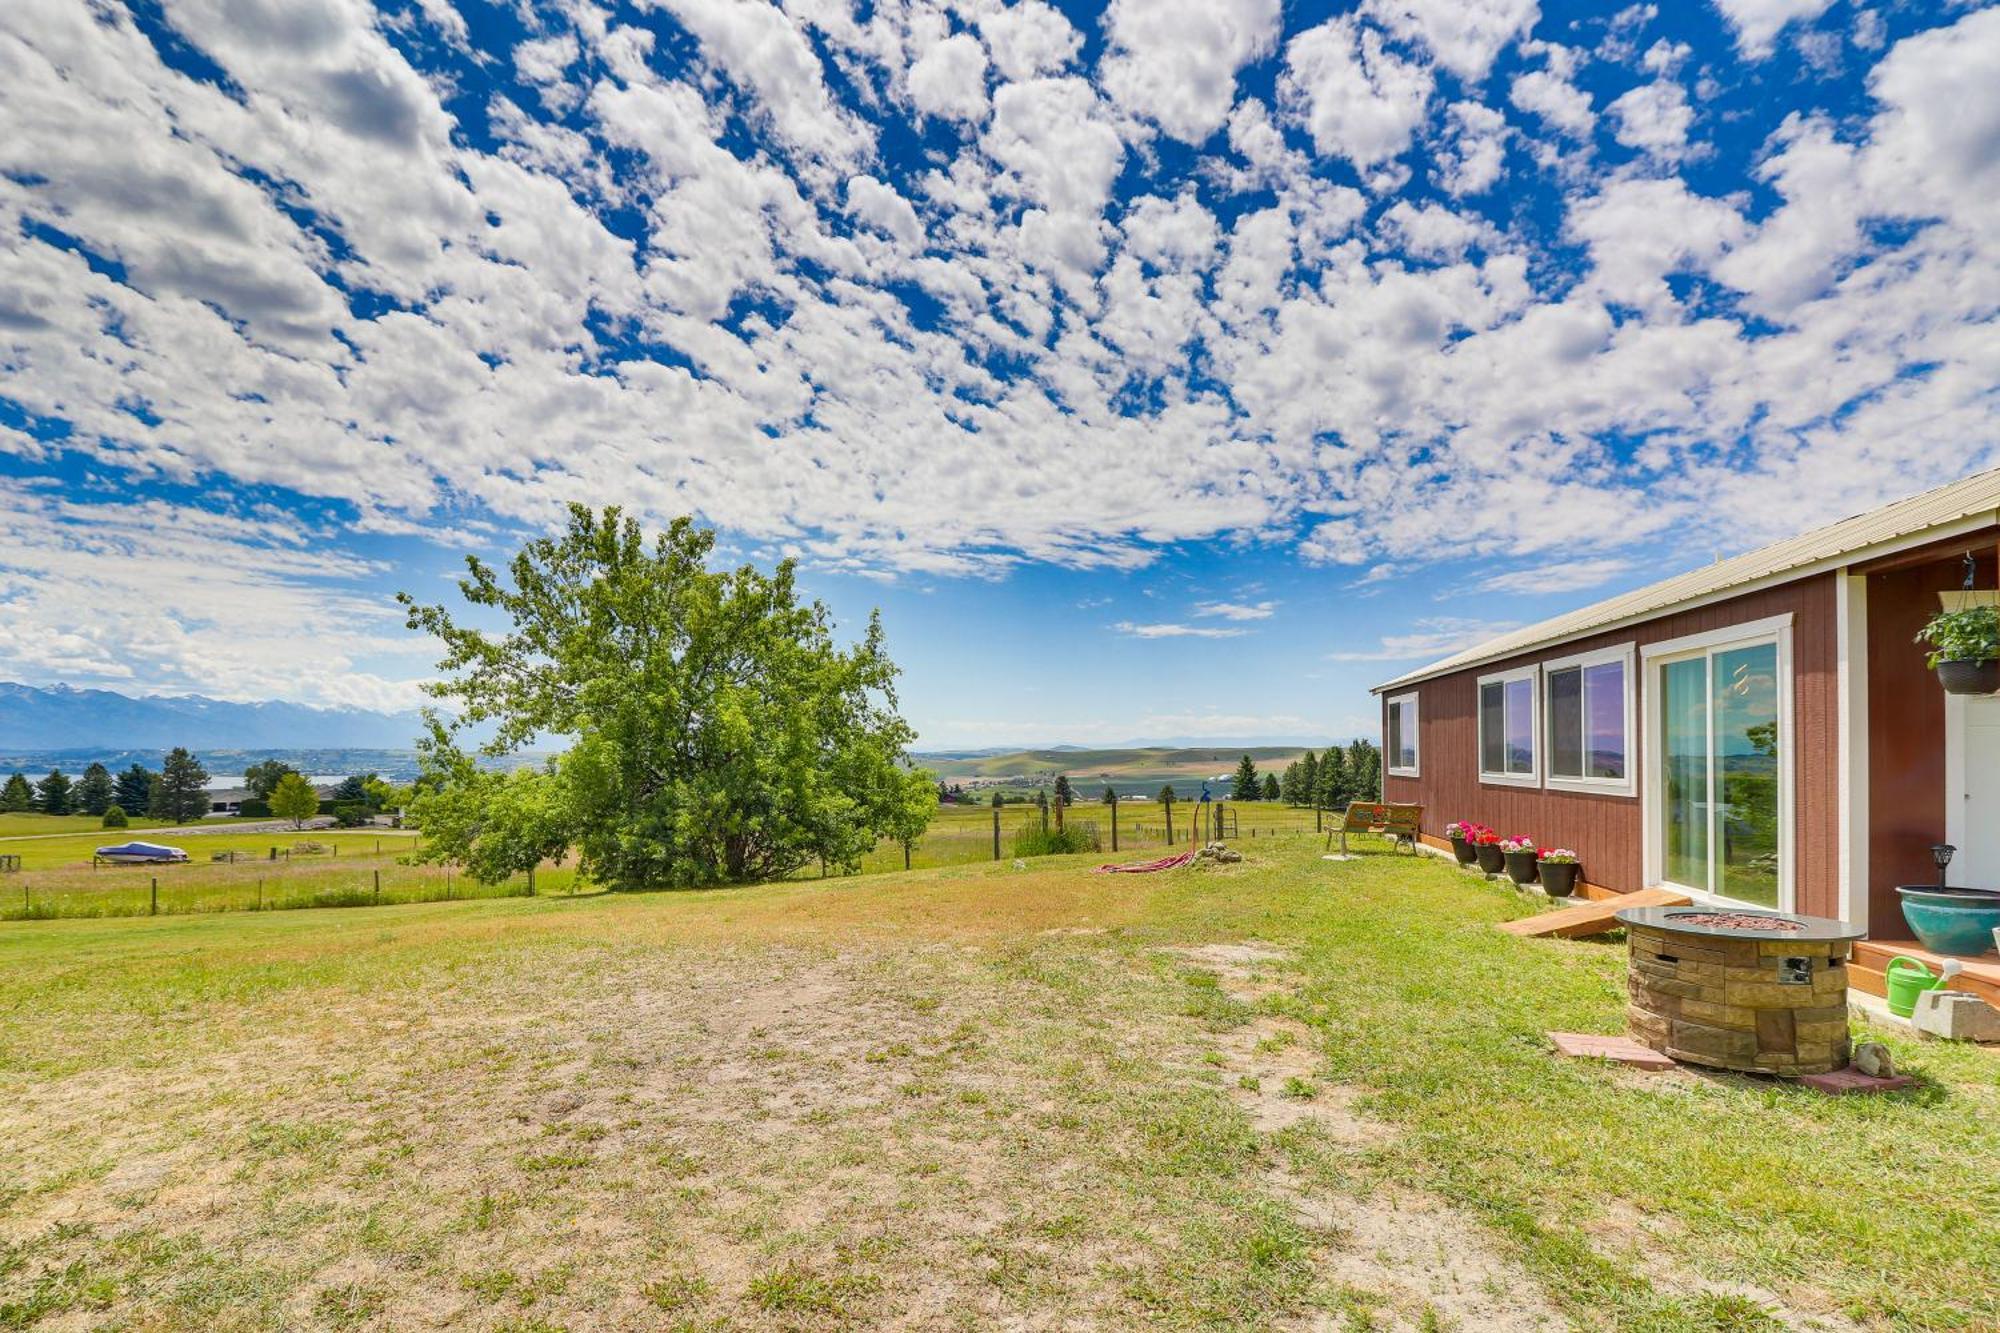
(1558, 868)
(1486, 845)
(1965, 649)
(1518, 855)
(1459, 834)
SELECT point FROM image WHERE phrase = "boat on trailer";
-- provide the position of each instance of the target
(140, 853)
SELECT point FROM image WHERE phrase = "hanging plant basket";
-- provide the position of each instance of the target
(1969, 677)
(1491, 859)
(1466, 853)
(1520, 866)
(1558, 877)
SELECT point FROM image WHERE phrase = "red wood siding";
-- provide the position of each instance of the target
(1608, 831)
(1906, 793)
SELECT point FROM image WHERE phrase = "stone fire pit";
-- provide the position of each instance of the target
(1732, 988)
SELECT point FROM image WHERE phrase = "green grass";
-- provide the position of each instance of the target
(991, 1094)
(35, 826)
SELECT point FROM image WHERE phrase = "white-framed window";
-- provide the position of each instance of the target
(1587, 714)
(1510, 728)
(1399, 736)
(1719, 763)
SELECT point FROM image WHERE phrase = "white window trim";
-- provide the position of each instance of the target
(1629, 784)
(1775, 629)
(1416, 736)
(1533, 777)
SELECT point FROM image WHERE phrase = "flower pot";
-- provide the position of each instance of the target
(1969, 677)
(1520, 866)
(1466, 853)
(1491, 859)
(1558, 877)
(1950, 920)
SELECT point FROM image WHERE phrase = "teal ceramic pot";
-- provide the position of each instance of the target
(1954, 921)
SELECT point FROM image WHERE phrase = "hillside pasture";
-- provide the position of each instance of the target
(1285, 1094)
(30, 825)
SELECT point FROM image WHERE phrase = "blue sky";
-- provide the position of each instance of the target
(1170, 369)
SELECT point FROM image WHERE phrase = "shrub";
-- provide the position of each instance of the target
(255, 808)
(114, 817)
(350, 814)
(1080, 836)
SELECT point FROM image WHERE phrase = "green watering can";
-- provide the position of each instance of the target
(1907, 979)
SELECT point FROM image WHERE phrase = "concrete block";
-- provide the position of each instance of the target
(1956, 1016)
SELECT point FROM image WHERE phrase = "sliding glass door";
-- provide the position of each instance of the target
(1718, 770)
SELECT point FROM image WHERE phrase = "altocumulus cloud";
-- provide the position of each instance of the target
(876, 285)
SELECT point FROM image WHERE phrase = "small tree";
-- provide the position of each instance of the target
(52, 793)
(133, 789)
(93, 792)
(1065, 794)
(1309, 779)
(114, 817)
(294, 799)
(1364, 771)
(1167, 794)
(1110, 795)
(17, 795)
(1245, 786)
(180, 792)
(998, 800)
(1271, 792)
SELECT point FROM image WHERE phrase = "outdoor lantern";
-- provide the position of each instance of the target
(1942, 853)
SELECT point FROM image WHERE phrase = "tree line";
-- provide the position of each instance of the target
(178, 792)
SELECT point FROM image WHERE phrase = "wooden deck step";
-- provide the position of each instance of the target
(1592, 918)
(1981, 976)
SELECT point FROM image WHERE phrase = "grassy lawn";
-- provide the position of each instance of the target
(1285, 1094)
(40, 826)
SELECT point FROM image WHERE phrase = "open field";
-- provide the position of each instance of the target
(366, 866)
(1284, 1094)
(1152, 763)
(42, 826)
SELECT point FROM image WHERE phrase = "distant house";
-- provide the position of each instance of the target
(1762, 730)
(227, 800)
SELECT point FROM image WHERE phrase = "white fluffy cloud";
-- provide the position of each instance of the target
(705, 285)
(1357, 98)
(1175, 62)
(1757, 23)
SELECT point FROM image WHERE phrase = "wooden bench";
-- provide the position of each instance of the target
(1399, 823)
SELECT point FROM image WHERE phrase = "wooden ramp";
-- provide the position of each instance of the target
(1981, 976)
(1593, 918)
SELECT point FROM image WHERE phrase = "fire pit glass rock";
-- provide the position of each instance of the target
(1762, 992)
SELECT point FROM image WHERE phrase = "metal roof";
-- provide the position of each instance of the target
(1974, 497)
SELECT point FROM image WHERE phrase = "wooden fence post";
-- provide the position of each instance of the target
(1169, 807)
(154, 910)
(378, 884)
(996, 833)
(260, 893)
(906, 853)
(1114, 821)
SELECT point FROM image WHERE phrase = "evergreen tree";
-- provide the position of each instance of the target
(353, 790)
(17, 795)
(1065, 794)
(114, 817)
(1309, 779)
(52, 793)
(1364, 771)
(998, 800)
(134, 788)
(1110, 796)
(93, 793)
(1289, 788)
(1271, 791)
(1245, 786)
(180, 792)
(1167, 794)
(1334, 791)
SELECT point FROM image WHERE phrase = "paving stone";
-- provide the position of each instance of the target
(1623, 1050)
(1841, 1082)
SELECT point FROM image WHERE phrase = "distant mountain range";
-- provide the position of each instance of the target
(58, 717)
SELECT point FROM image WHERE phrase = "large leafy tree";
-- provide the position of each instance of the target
(496, 825)
(1245, 787)
(262, 779)
(53, 793)
(134, 788)
(180, 791)
(718, 733)
(18, 794)
(93, 794)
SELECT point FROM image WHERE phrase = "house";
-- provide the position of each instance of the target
(1762, 730)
